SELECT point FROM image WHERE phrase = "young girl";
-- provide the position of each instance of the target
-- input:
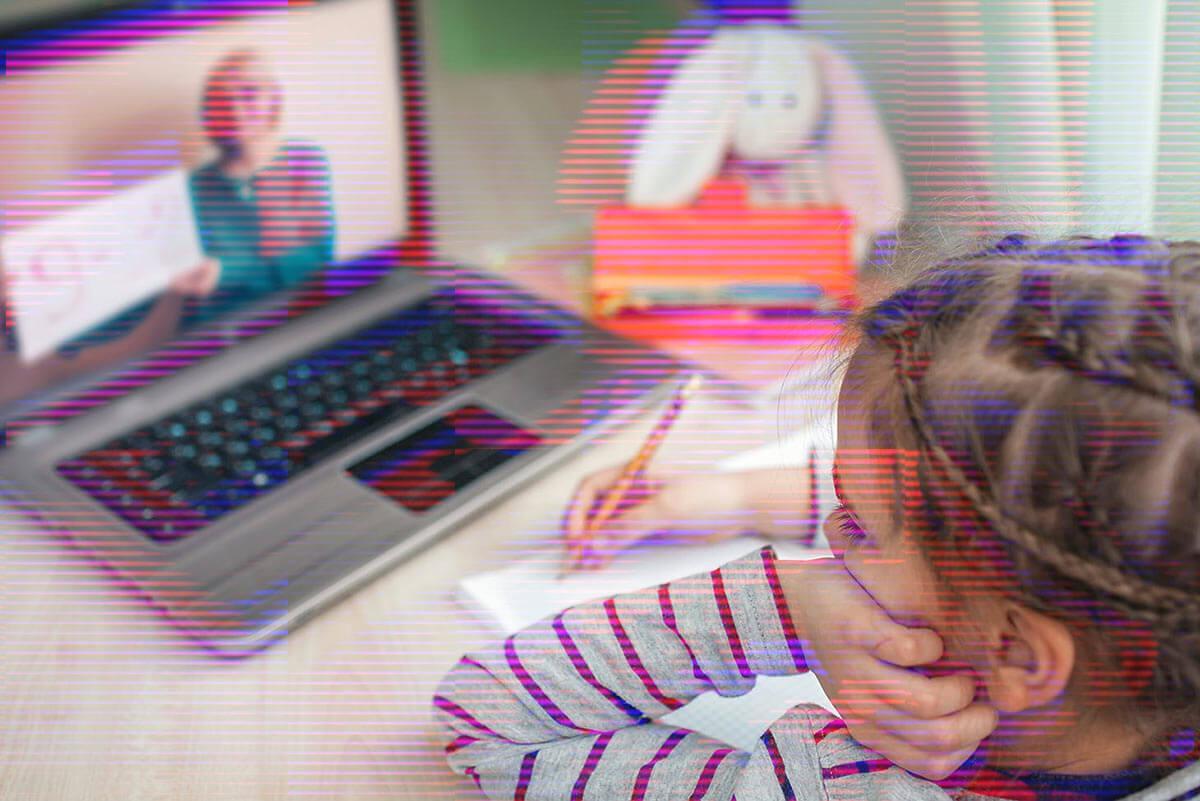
(1018, 464)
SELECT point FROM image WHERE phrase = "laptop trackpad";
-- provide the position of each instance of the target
(430, 465)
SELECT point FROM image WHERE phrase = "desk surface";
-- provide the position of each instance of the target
(103, 699)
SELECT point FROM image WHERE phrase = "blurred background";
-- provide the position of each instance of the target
(1044, 116)
(1073, 114)
(1054, 115)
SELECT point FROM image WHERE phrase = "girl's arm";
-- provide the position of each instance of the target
(786, 502)
(569, 703)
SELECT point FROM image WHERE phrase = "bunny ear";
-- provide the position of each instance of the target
(684, 142)
(863, 171)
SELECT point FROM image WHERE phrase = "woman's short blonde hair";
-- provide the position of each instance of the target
(235, 68)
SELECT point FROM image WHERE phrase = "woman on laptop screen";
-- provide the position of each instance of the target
(263, 205)
(263, 212)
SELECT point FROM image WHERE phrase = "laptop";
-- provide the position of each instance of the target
(232, 372)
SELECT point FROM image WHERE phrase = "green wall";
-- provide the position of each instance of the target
(551, 35)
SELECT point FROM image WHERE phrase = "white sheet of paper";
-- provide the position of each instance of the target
(76, 269)
(529, 589)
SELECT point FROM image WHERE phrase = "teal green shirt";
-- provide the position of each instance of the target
(270, 231)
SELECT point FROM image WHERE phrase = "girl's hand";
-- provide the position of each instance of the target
(706, 506)
(863, 659)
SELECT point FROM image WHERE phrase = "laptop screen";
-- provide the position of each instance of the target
(168, 165)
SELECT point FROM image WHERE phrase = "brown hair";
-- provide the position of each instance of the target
(1052, 392)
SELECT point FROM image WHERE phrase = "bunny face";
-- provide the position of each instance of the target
(761, 93)
(777, 108)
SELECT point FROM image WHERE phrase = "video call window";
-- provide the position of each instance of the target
(204, 163)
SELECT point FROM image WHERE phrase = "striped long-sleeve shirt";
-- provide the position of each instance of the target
(567, 708)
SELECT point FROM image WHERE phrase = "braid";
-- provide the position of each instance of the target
(1165, 608)
(1079, 445)
(1158, 362)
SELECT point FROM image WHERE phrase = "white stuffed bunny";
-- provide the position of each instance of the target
(784, 111)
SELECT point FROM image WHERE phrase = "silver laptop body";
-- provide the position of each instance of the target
(254, 571)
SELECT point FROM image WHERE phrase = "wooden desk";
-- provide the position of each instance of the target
(105, 701)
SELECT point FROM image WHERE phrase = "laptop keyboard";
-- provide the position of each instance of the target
(178, 474)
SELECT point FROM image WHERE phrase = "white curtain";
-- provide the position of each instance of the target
(1048, 116)
(1177, 164)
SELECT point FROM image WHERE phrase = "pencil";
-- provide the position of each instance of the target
(637, 465)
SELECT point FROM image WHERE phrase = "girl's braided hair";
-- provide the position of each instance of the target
(1053, 394)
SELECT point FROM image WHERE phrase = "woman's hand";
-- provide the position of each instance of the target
(705, 506)
(864, 660)
(198, 282)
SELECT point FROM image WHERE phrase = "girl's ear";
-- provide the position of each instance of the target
(1031, 658)
(683, 144)
(864, 174)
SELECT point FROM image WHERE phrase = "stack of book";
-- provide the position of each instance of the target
(721, 270)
